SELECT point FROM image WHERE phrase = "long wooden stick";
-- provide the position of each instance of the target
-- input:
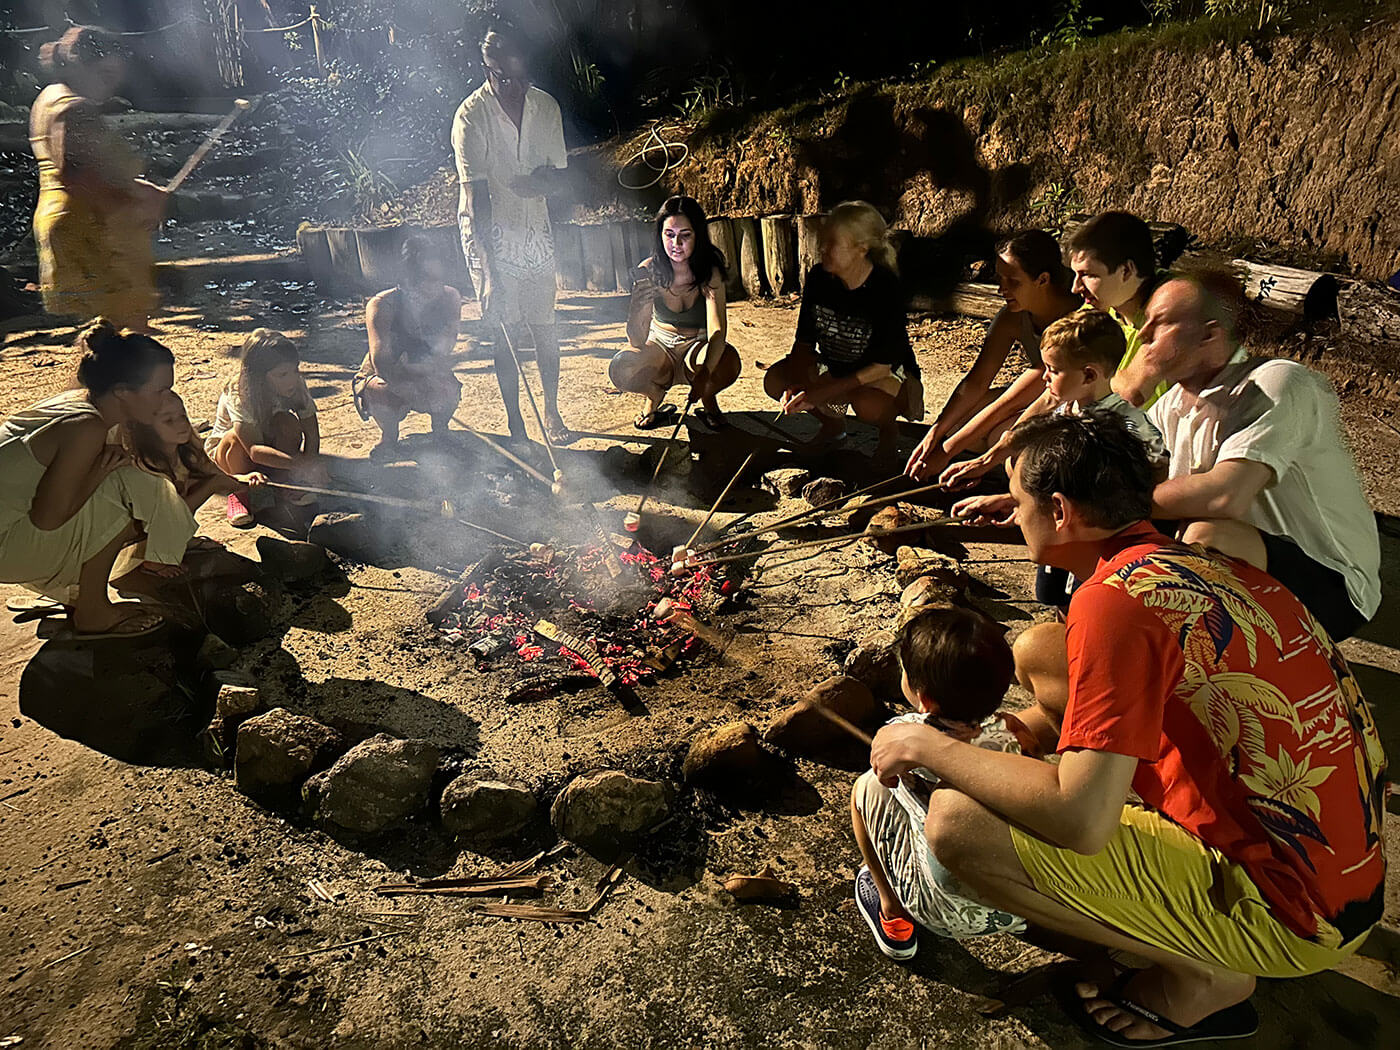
(847, 538)
(732, 482)
(442, 508)
(665, 451)
(530, 396)
(839, 721)
(792, 519)
(496, 446)
(240, 106)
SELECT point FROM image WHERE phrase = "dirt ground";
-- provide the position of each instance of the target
(152, 905)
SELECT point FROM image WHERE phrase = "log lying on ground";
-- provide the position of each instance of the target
(750, 249)
(968, 299)
(1369, 312)
(809, 253)
(722, 236)
(780, 253)
(596, 243)
(1304, 293)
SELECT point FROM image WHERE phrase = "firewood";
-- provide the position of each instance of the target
(1305, 293)
(1369, 313)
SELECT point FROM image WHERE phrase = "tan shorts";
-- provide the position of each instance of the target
(1157, 882)
(520, 299)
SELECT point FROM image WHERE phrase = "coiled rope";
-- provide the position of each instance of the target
(647, 155)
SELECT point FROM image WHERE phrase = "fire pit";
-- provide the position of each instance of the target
(563, 609)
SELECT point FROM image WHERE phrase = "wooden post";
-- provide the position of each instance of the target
(809, 253)
(316, 38)
(641, 235)
(722, 235)
(750, 257)
(345, 260)
(623, 263)
(568, 257)
(597, 258)
(315, 250)
(780, 253)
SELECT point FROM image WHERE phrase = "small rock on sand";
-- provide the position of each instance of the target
(608, 810)
(805, 732)
(375, 785)
(486, 810)
(242, 613)
(215, 654)
(291, 560)
(913, 562)
(728, 756)
(276, 751)
(786, 482)
(824, 490)
(352, 535)
(875, 662)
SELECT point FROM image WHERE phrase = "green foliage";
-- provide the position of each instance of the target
(1056, 203)
(369, 186)
(1072, 25)
(709, 92)
(588, 79)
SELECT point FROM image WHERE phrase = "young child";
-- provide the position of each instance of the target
(266, 420)
(957, 667)
(168, 446)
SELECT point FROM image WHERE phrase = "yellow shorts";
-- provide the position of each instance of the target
(1160, 884)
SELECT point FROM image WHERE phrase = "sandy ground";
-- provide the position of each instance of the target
(153, 905)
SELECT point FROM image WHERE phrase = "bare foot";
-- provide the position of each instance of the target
(1183, 997)
(165, 572)
(124, 618)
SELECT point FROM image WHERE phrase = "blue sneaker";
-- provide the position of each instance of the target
(895, 937)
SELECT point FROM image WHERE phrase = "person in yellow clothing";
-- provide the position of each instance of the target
(95, 215)
(70, 499)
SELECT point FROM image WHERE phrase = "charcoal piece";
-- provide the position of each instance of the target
(545, 686)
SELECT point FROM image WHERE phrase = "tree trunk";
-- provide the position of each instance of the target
(1369, 313)
(722, 235)
(568, 257)
(780, 253)
(597, 258)
(623, 262)
(750, 257)
(809, 252)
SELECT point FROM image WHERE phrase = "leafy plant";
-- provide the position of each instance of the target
(1056, 203)
(711, 91)
(1072, 25)
(369, 186)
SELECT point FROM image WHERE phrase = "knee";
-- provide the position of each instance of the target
(949, 829)
(775, 380)
(1040, 650)
(622, 370)
(284, 430)
(872, 406)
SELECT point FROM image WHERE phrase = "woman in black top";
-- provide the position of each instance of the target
(852, 347)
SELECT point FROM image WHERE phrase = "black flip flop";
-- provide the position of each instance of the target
(1234, 1022)
(713, 420)
(657, 417)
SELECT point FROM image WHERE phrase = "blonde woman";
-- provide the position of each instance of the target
(852, 346)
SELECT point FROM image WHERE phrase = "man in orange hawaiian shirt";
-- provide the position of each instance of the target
(1204, 686)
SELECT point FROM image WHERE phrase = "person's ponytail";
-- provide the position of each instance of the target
(866, 227)
(111, 359)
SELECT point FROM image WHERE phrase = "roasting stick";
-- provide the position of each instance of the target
(444, 508)
(534, 405)
(633, 520)
(817, 512)
(492, 443)
(732, 481)
(829, 540)
(813, 511)
(240, 106)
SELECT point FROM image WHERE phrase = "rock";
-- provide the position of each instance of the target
(276, 751)
(823, 490)
(292, 560)
(728, 756)
(875, 662)
(215, 654)
(609, 810)
(485, 810)
(236, 702)
(913, 562)
(353, 535)
(786, 482)
(242, 613)
(376, 784)
(805, 732)
(928, 592)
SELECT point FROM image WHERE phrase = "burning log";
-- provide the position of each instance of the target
(543, 687)
(579, 648)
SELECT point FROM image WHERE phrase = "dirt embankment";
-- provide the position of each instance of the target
(1286, 146)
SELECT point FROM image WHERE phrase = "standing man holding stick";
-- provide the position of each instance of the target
(508, 137)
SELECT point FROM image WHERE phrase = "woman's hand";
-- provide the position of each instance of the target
(806, 400)
(899, 748)
(928, 457)
(961, 475)
(252, 479)
(987, 510)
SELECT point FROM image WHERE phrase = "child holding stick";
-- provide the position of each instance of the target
(957, 667)
(266, 420)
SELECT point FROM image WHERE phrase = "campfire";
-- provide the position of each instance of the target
(563, 609)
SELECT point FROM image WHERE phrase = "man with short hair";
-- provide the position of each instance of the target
(1208, 690)
(508, 137)
(1259, 465)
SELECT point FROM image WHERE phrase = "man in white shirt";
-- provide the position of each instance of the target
(1259, 466)
(508, 137)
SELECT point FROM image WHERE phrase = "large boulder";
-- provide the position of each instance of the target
(291, 560)
(803, 731)
(377, 784)
(730, 756)
(278, 750)
(609, 810)
(875, 662)
(486, 810)
(913, 562)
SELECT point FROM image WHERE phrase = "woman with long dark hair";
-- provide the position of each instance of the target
(95, 215)
(70, 501)
(676, 324)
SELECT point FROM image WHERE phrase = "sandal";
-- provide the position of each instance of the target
(203, 544)
(656, 417)
(1234, 1022)
(137, 624)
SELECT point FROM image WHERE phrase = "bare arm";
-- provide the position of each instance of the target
(478, 200)
(1021, 393)
(972, 388)
(379, 326)
(1227, 490)
(969, 470)
(716, 323)
(81, 459)
(640, 306)
(1075, 804)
